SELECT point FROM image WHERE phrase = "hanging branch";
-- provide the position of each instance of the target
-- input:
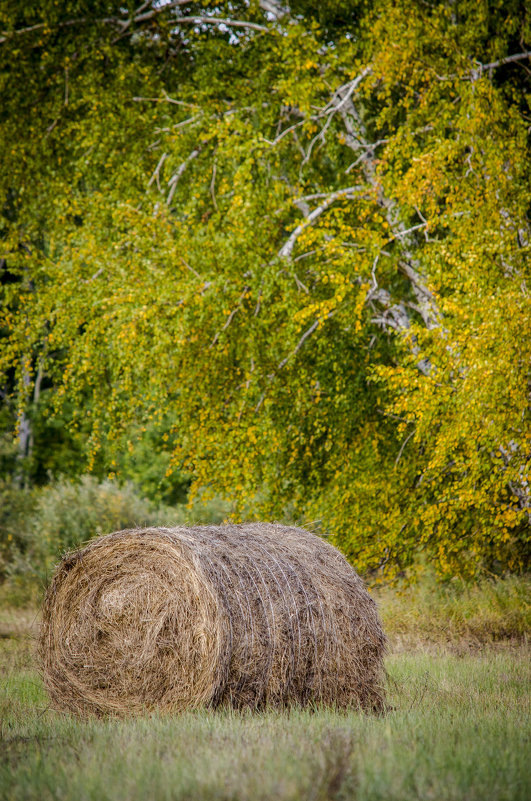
(139, 16)
(270, 378)
(174, 180)
(479, 68)
(349, 192)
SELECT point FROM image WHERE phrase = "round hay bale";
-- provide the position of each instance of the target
(246, 615)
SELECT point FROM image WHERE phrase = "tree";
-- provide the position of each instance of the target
(301, 233)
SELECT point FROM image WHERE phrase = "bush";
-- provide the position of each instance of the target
(67, 514)
(37, 527)
(16, 507)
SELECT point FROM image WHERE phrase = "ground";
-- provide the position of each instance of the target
(457, 728)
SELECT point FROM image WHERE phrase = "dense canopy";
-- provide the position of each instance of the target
(296, 237)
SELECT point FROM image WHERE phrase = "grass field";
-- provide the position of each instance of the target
(458, 728)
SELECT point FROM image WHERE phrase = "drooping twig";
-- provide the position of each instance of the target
(156, 173)
(230, 318)
(190, 268)
(174, 180)
(314, 326)
(213, 186)
(350, 191)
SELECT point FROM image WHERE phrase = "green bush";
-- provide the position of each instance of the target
(67, 514)
(16, 507)
(37, 527)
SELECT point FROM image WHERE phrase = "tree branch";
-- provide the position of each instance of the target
(174, 180)
(230, 23)
(230, 318)
(156, 173)
(480, 68)
(287, 248)
(293, 353)
(508, 60)
(273, 7)
(139, 16)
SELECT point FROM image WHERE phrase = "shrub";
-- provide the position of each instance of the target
(67, 514)
(37, 527)
(16, 506)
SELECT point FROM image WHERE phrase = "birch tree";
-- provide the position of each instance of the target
(300, 231)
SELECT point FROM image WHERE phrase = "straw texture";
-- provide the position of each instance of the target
(249, 615)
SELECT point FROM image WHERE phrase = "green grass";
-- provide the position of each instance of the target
(456, 612)
(458, 729)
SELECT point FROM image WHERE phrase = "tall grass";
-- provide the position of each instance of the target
(486, 611)
(458, 729)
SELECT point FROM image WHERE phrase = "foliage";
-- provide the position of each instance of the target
(38, 526)
(145, 462)
(66, 514)
(16, 507)
(69, 514)
(304, 241)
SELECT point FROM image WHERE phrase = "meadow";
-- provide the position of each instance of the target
(457, 725)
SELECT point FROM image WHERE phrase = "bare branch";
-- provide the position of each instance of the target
(405, 442)
(139, 16)
(274, 8)
(427, 305)
(480, 68)
(418, 283)
(174, 180)
(300, 343)
(213, 186)
(368, 148)
(230, 23)
(93, 277)
(331, 108)
(284, 133)
(349, 192)
(320, 137)
(21, 31)
(156, 173)
(165, 99)
(407, 231)
(304, 255)
(190, 268)
(344, 93)
(230, 318)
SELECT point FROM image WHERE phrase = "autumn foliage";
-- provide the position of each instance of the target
(302, 235)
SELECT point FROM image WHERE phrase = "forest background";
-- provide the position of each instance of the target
(273, 257)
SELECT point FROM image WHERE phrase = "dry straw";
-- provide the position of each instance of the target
(247, 615)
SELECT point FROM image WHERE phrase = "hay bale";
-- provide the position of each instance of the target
(247, 615)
